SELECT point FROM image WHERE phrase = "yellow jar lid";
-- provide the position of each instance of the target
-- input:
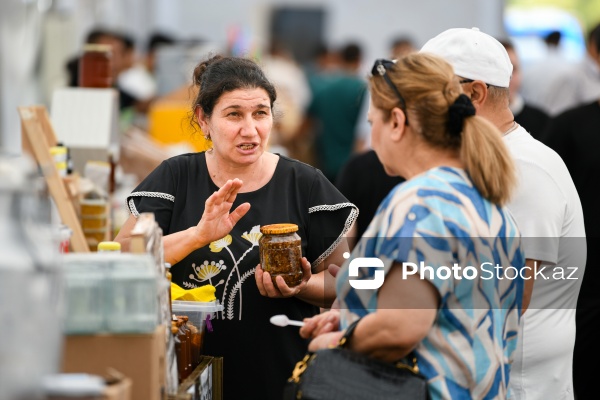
(278, 229)
(58, 150)
(109, 246)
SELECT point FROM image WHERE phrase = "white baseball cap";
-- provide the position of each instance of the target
(473, 55)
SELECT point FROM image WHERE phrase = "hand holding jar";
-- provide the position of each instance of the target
(283, 272)
(279, 289)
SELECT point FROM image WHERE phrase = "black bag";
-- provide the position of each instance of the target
(342, 374)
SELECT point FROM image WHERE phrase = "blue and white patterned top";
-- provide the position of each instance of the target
(440, 218)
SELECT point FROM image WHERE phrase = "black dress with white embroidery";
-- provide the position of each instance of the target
(258, 356)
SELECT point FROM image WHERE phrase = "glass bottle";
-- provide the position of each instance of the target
(196, 344)
(188, 335)
(280, 250)
(95, 66)
(178, 350)
(183, 361)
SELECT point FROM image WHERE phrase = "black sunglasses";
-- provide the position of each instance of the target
(380, 68)
(471, 80)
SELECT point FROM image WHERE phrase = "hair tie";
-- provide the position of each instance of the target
(457, 112)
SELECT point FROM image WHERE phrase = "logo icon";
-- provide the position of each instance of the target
(366, 262)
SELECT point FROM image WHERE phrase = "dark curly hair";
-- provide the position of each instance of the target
(220, 74)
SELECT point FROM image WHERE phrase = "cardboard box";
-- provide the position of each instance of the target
(205, 383)
(120, 390)
(140, 357)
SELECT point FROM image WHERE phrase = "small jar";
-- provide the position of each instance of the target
(95, 66)
(281, 253)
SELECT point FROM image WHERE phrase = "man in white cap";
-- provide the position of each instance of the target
(547, 210)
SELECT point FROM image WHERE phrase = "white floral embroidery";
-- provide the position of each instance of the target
(209, 270)
(235, 289)
(206, 271)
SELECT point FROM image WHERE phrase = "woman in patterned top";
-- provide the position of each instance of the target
(192, 197)
(451, 252)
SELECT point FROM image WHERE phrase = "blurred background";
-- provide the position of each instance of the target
(39, 37)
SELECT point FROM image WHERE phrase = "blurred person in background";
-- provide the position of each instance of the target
(540, 77)
(324, 63)
(547, 210)
(137, 79)
(531, 118)
(574, 135)
(155, 42)
(293, 94)
(571, 85)
(334, 111)
(363, 179)
(459, 177)
(210, 206)
(401, 46)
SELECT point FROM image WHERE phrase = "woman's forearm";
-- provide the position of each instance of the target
(320, 290)
(179, 245)
(387, 335)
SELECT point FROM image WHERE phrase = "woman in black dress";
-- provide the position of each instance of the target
(211, 205)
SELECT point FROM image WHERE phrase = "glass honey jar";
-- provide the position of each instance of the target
(281, 253)
(95, 66)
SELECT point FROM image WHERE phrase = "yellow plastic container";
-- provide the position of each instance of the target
(168, 123)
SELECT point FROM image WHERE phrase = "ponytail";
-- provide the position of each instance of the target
(487, 160)
(445, 118)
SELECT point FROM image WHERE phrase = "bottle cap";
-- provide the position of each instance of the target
(109, 246)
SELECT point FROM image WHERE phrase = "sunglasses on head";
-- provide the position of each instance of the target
(380, 68)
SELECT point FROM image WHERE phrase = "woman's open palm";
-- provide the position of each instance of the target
(217, 221)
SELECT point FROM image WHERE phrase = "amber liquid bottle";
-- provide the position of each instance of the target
(95, 66)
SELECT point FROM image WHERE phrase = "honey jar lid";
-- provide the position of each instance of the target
(93, 47)
(278, 229)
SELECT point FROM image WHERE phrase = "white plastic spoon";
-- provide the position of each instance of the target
(282, 320)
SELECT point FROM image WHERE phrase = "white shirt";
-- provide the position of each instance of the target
(548, 212)
(556, 87)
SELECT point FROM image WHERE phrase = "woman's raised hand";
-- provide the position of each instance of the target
(217, 221)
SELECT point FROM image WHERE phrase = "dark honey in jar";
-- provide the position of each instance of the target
(95, 66)
(281, 253)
